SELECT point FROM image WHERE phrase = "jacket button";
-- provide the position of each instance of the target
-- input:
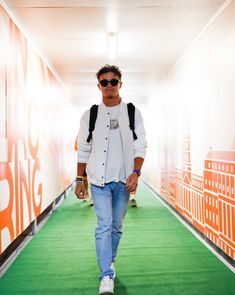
(106, 138)
(107, 125)
(103, 164)
(104, 151)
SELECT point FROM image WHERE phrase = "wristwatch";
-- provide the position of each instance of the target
(138, 172)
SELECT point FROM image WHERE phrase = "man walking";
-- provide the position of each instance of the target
(112, 155)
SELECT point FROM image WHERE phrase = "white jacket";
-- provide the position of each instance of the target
(94, 153)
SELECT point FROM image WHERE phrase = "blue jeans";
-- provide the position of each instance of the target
(110, 204)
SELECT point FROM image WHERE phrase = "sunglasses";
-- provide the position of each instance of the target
(105, 83)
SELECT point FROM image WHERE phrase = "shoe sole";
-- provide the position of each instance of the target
(106, 293)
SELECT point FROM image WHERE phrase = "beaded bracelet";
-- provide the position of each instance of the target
(79, 179)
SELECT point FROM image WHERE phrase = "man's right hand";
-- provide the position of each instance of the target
(80, 191)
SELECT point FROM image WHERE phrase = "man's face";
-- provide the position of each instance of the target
(109, 91)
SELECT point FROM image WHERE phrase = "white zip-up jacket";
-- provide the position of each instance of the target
(94, 153)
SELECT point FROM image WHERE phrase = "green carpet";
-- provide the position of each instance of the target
(157, 255)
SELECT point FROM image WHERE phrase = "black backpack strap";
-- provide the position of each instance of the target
(131, 114)
(92, 120)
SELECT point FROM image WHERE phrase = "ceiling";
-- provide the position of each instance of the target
(151, 36)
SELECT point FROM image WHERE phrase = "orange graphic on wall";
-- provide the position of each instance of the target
(20, 169)
(208, 201)
(36, 155)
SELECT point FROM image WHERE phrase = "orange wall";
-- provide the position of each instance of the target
(37, 160)
(191, 156)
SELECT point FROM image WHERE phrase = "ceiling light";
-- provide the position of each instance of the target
(112, 46)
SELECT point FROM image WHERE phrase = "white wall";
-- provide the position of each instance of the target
(195, 105)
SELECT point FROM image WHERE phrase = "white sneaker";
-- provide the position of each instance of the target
(91, 202)
(106, 286)
(133, 203)
(113, 269)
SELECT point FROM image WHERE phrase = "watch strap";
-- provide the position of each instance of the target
(137, 171)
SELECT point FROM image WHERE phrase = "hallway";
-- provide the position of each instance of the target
(157, 255)
(177, 67)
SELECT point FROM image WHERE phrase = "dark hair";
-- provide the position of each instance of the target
(107, 69)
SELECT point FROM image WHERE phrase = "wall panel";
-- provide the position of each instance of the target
(194, 138)
(37, 161)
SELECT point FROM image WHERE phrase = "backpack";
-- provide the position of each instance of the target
(93, 116)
